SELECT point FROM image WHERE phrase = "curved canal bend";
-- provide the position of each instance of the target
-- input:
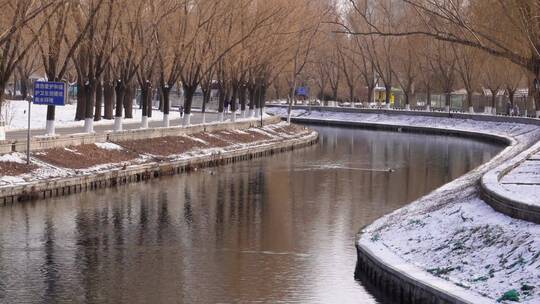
(277, 229)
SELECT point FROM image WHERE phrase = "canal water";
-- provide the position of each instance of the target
(275, 230)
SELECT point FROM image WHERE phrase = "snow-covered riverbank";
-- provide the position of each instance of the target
(451, 234)
(91, 159)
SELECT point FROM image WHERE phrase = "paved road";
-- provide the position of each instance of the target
(195, 119)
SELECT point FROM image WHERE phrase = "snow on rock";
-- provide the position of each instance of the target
(451, 233)
(109, 146)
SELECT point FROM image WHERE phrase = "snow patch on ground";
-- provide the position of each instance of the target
(109, 146)
(64, 116)
(13, 158)
(198, 140)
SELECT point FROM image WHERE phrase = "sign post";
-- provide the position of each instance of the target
(28, 132)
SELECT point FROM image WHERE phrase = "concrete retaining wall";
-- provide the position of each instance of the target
(479, 117)
(411, 129)
(401, 286)
(499, 199)
(70, 185)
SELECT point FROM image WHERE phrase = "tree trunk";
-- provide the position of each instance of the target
(388, 92)
(511, 96)
(166, 97)
(150, 103)
(120, 92)
(222, 97)
(407, 98)
(108, 97)
(99, 101)
(128, 101)
(24, 87)
(2, 120)
(468, 103)
(371, 94)
(79, 112)
(144, 99)
(494, 101)
(428, 97)
(189, 91)
(207, 91)
(234, 96)
(89, 96)
(242, 97)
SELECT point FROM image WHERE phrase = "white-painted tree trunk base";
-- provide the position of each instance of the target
(117, 124)
(221, 117)
(187, 121)
(88, 125)
(49, 127)
(166, 121)
(144, 122)
(2, 132)
(471, 110)
(408, 107)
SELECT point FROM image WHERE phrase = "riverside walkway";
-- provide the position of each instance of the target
(195, 119)
(522, 182)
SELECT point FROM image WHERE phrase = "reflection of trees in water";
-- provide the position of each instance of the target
(87, 252)
(163, 216)
(49, 268)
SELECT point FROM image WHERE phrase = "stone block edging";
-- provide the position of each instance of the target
(500, 199)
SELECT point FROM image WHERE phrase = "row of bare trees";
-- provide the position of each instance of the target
(111, 48)
(425, 46)
(422, 48)
(243, 48)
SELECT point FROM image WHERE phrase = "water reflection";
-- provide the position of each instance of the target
(279, 229)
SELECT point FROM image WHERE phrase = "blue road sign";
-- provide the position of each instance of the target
(302, 91)
(50, 93)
